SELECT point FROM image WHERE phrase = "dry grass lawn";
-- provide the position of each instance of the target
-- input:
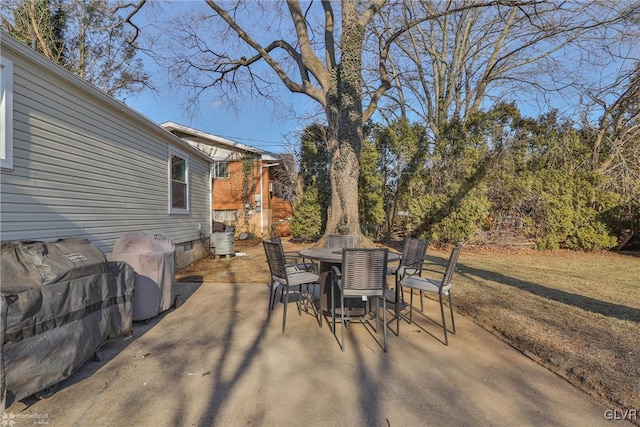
(578, 314)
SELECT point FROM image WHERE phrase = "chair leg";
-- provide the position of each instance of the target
(299, 300)
(275, 292)
(397, 286)
(285, 289)
(453, 324)
(321, 286)
(411, 308)
(377, 313)
(333, 311)
(444, 325)
(310, 302)
(271, 297)
(397, 313)
(384, 322)
(421, 310)
(342, 345)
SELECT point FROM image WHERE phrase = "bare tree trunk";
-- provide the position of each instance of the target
(344, 114)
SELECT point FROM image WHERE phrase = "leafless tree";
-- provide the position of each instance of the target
(317, 50)
(464, 58)
(94, 39)
(436, 59)
(616, 146)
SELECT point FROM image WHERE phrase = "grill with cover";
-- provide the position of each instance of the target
(59, 303)
(154, 266)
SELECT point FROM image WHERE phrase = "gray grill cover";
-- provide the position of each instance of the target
(59, 303)
(154, 266)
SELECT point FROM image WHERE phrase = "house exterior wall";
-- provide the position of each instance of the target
(228, 191)
(86, 165)
(228, 194)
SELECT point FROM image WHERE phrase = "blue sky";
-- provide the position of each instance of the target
(256, 122)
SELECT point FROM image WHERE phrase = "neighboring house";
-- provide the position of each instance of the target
(76, 162)
(244, 185)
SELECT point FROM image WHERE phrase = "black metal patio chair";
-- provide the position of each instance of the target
(285, 277)
(340, 241)
(411, 263)
(439, 287)
(363, 275)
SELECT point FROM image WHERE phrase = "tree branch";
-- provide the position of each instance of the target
(329, 41)
(306, 87)
(309, 59)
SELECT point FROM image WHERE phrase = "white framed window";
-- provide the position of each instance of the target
(178, 182)
(221, 170)
(226, 216)
(6, 114)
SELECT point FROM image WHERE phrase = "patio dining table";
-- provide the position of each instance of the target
(327, 259)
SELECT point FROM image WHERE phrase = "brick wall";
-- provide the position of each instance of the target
(228, 195)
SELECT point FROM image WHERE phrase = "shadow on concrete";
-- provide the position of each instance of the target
(225, 384)
(216, 361)
(114, 346)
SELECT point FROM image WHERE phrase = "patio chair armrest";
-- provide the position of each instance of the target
(337, 275)
(395, 253)
(336, 271)
(291, 258)
(294, 266)
(435, 267)
(407, 271)
(322, 278)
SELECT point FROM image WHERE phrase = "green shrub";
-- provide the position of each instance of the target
(307, 217)
(453, 216)
(370, 206)
(564, 214)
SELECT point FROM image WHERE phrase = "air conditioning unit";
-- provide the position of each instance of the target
(223, 243)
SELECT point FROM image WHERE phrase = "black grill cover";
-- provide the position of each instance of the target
(59, 303)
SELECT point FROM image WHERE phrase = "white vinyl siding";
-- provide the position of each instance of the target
(6, 113)
(85, 165)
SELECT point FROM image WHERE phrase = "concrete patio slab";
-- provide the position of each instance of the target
(215, 361)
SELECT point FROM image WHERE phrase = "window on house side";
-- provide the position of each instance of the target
(179, 182)
(221, 170)
(6, 113)
(227, 216)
